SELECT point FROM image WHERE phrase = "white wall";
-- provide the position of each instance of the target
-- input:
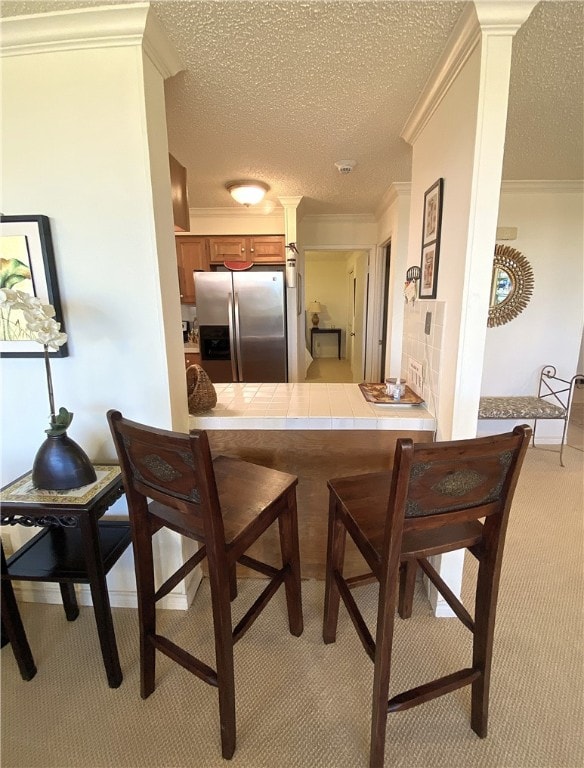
(548, 217)
(84, 142)
(457, 131)
(445, 149)
(337, 231)
(236, 221)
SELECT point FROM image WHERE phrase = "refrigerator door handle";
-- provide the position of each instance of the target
(239, 377)
(231, 336)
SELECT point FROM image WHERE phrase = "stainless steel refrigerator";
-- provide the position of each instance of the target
(242, 325)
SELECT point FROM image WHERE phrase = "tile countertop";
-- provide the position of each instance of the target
(307, 406)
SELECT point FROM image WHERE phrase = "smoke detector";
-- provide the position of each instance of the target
(345, 166)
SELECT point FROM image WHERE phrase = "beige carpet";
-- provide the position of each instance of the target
(302, 704)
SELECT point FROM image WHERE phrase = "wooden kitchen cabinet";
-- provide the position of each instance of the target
(228, 248)
(267, 249)
(192, 254)
(259, 249)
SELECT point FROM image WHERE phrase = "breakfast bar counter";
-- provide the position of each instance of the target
(315, 431)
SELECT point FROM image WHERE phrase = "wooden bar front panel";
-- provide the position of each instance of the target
(314, 456)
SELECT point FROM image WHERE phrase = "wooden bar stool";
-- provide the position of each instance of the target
(431, 503)
(226, 505)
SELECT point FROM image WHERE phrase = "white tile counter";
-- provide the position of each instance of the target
(316, 406)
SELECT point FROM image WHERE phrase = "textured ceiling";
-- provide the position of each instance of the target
(281, 90)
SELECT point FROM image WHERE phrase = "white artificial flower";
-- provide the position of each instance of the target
(38, 317)
(40, 326)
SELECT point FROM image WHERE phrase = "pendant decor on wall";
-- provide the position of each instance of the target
(511, 285)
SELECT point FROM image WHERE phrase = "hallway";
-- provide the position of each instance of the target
(329, 369)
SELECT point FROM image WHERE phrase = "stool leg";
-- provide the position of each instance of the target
(337, 536)
(144, 568)
(407, 585)
(233, 582)
(288, 527)
(483, 635)
(219, 578)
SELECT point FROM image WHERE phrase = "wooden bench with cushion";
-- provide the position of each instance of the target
(552, 402)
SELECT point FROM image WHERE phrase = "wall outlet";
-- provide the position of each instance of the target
(415, 376)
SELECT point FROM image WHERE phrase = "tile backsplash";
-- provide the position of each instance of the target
(422, 343)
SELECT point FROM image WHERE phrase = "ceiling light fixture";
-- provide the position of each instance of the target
(247, 192)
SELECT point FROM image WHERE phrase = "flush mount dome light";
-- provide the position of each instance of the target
(247, 192)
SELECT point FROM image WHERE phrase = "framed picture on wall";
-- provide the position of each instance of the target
(429, 272)
(431, 229)
(27, 264)
(432, 213)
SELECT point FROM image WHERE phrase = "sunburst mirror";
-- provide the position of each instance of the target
(511, 285)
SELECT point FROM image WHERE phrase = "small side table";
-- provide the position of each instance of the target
(74, 547)
(326, 330)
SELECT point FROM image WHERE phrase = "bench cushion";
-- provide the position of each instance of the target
(519, 408)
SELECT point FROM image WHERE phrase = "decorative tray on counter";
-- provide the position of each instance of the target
(377, 394)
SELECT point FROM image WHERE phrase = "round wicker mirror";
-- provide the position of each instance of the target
(511, 285)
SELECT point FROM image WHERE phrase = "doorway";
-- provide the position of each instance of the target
(338, 280)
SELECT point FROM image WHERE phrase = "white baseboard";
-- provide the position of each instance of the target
(39, 592)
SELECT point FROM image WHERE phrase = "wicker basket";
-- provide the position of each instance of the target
(200, 389)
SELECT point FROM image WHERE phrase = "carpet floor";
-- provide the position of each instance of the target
(301, 704)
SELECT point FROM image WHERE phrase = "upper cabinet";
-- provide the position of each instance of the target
(197, 253)
(259, 249)
(180, 202)
(192, 255)
(267, 249)
(227, 248)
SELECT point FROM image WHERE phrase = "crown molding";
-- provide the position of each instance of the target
(489, 17)
(111, 26)
(396, 190)
(339, 218)
(462, 42)
(539, 186)
(291, 202)
(501, 17)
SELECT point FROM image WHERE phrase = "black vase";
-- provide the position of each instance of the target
(61, 464)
